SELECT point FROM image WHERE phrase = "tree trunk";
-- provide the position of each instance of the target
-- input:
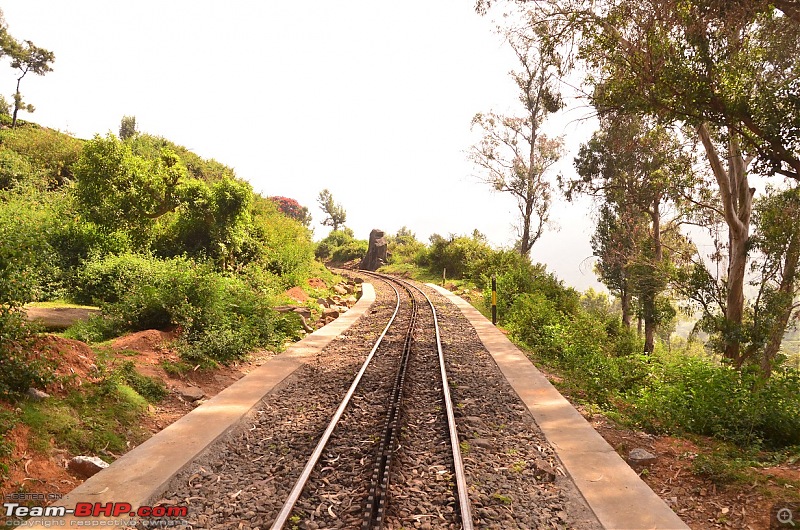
(625, 300)
(734, 305)
(649, 329)
(17, 103)
(786, 291)
(649, 301)
(526, 209)
(737, 202)
(16, 109)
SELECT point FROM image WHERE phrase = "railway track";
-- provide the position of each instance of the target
(371, 472)
(376, 508)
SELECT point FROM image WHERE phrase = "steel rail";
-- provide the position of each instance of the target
(297, 490)
(465, 509)
(458, 463)
(377, 499)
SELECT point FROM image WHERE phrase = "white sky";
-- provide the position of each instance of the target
(370, 99)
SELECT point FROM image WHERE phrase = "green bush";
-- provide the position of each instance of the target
(340, 246)
(94, 329)
(20, 368)
(462, 257)
(14, 169)
(522, 277)
(25, 259)
(49, 153)
(152, 389)
(221, 317)
(104, 280)
(698, 395)
(356, 249)
(404, 248)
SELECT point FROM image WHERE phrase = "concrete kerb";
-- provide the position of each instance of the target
(614, 492)
(140, 476)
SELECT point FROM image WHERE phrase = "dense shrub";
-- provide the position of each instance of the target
(522, 277)
(281, 245)
(221, 318)
(50, 154)
(404, 248)
(460, 256)
(340, 246)
(23, 253)
(14, 169)
(699, 395)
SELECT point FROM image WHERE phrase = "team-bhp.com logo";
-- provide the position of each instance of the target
(96, 509)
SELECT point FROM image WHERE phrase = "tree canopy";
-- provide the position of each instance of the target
(335, 214)
(514, 155)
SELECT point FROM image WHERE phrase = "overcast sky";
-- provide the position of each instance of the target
(372, 100)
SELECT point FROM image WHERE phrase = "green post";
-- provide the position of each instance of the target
(494, 299)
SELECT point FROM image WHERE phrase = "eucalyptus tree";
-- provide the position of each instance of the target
(614, 243)
(514, 154)
(639, 170)
(777, 238)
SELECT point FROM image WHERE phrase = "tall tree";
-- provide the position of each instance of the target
(777, 237)
(127, 127)
(26, 57)
(514, 154)
(615, 245)
(638, 169)
(335, 215)
(292, 208)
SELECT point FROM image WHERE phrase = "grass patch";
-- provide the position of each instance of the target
(57, 304)
(100, 417)
(150, 388)
(175, 369)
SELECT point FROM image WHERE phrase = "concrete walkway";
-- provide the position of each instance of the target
(614, 492)
(142, 475)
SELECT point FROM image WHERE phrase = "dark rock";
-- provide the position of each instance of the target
(86, 465)
(37, 395)
(190, 393)
(639, 458)
(543, 471)
(377, 253)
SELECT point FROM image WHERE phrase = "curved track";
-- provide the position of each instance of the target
(378, 505)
